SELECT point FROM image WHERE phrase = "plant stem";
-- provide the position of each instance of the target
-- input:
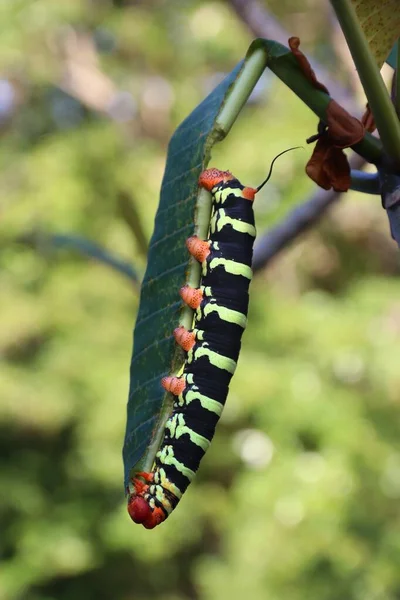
(255, 64)
(263, 24)
(367, 183)
(289, 72)
(383, 110)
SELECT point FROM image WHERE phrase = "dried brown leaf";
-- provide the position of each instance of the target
(294, 44)
(328, 166)
(344, 130)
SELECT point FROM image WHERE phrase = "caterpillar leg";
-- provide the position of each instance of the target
(198, 248)
(184, 338)
(140, 486)
(191, 296)
(146, 476)
(212, 177)
(175, 385)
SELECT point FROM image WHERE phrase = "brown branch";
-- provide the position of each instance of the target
(300, 219)
(82, 76)
(262, 24)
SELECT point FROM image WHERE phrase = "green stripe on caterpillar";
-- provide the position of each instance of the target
(212, 347)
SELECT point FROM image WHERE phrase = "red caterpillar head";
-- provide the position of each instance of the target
(140, 512)
(211, 177)
(139, 509)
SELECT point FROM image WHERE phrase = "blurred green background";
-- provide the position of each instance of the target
(298, 496)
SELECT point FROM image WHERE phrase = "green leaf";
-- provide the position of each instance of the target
(184, 210)
(380, 22)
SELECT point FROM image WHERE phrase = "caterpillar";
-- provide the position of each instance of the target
(220, 305)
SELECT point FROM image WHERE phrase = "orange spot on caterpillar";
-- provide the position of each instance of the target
(175, 385)
(191, 296)
(186, 339)
(198, 248)
(211, 177)
(249, 193)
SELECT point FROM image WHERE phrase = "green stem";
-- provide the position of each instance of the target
(245, 83)
(289, 72)
(267, 54)
(383, 110)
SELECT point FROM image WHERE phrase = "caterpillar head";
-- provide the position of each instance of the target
(211, 177)
(140, 512)
(138, 509)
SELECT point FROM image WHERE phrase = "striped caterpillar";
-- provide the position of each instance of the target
(212, 347)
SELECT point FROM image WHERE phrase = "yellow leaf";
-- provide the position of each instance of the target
(380, 21)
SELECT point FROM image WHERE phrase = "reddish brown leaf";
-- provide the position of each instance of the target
(294, 43)
(343, 129)
(328, 166)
